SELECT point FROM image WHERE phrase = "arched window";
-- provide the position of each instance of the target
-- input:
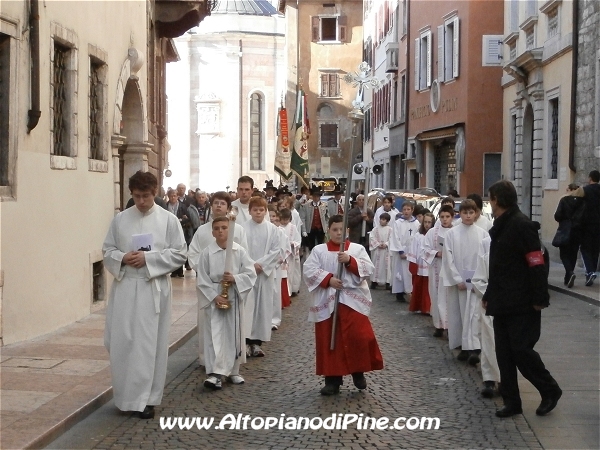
(256, 132)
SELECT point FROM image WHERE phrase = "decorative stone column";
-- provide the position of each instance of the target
(116, 142)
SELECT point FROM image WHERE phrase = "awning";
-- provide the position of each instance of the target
(439, 133)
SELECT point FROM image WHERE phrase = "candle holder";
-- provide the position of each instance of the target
(225, 294)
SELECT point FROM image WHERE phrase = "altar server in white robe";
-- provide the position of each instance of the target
(293, 234)
(143, 246)
(281, 269)
(480, 220)
(432, 255)
(245, 189)
(220, 206)
(461, 247)
(379, 242)
(403, 231)
(224, 341)
(490, 371)
(387, 206)
(264, 249)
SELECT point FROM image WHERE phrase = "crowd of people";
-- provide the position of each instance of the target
(483, 284)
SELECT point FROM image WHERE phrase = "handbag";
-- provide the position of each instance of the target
(563, 234)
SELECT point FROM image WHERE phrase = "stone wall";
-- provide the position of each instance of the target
(587, 120)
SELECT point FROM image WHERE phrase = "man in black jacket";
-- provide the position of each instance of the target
(517, 292)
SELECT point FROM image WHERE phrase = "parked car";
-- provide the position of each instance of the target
(487, 208)
(423, 196)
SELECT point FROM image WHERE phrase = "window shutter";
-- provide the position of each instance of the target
(324, 86)
(342, 25)
(429, 48)
(417, 63)
(492, 50)
(455, 49)
(333, 85)
(441, 67)
(316, 22)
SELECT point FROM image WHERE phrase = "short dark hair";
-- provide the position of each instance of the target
(285, 214)
(418, 209)
(448, 200)
(595, 176)
(573, 186)
(338, 218)
(385, 216)
(219, 219)
(447, 208)
(477, 199)
(143, 181)
(246, 179)
(467, 205)
(221, 195)
(503, 192)
(389, 198)
(409, 203)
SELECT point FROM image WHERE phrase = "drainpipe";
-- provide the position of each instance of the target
(241, 100)
(407, 97)
(34, 31)
(574, 57)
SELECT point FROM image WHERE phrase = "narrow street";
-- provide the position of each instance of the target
(421, 379)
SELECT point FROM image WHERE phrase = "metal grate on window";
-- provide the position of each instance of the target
(553, 23)
(4, 107)
(329, 135)
(554, 140)
(530, 39)
(513, 51)
(444, 168)
(95, 111)
(60, 100)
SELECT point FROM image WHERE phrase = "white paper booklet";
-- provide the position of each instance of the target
(142, 242)
(467, 275)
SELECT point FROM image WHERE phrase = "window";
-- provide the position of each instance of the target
(329, 29)
(404, 16)
(330, 85)
(256, 132)
(514, 15)
(367, 125)
(530, 38)
(403, 98)
(328, 128)
(513, 146)
(98, 282)
(10, 38)
(448, 49)
(553, 138)
(5, 79)
(63, 98)
(553, 23)
(423, 61)
(512, 48)
(368, 52)
(551, 9)
(98, 104)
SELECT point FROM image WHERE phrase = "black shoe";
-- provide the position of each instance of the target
(400, 297)
(589, 278)
(548, 403)
(330, 389)
(473, 358)
(147, 413)
(388, 286)
(571, 281)
(488, 389)
(373, 285)
(509, 411)
(463, 355)
(439, 332)
(566, 279)
(359, 380)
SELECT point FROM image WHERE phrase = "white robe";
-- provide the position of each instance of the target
(297, 221)
(403, 232)
(281, 271)
(138, 316)
(393, 213)
(294, 270)
(244, 212)
(264, 249)
(437, 291)
(355, 293)
(415, 255)
(489, 365)
(381, 256)
(224, 338)
(201, 240)
(461, 247)
(484, 223)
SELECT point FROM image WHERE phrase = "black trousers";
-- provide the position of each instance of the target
(515, 337)
(590, 248)
(568, 255)
(314, 238)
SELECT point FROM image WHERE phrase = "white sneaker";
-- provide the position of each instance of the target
(236, 379)
(213, 382)
(248, 351)
(257, 351)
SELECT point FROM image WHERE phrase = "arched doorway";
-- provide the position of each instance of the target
(527, 161)
(132, 128)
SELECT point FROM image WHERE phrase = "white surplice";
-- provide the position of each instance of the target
(461, 247)
(393, 213)
(294, 268)
(224, 338)
(244, 212)
(263, 248)
(415, 254)
(138, 316)
(281, 271)
(202, 239)
(484, 223)
(355, 293)
(403, 231)
(437, 291)
(381, 256)
(297, 221)
(489, 365)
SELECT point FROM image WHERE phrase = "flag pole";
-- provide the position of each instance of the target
(359, 79)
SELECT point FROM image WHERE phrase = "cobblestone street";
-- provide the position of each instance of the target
(420, 379)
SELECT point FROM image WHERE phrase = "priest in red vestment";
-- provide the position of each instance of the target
(356, 350)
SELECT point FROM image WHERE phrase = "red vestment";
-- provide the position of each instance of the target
(285, 294)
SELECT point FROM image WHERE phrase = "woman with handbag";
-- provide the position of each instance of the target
(568, 236)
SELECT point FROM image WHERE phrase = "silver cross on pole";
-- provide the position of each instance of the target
(361, 79)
